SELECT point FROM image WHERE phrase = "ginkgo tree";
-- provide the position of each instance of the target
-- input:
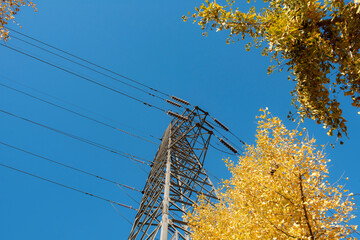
(317, 41)
(279, 189)
(8, 10)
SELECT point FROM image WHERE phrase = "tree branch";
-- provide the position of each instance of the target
(326, 22)
(271, 223)
(304, 208)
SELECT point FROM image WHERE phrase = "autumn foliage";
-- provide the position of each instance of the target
(278, 190)
(316, 41)
(8, 10)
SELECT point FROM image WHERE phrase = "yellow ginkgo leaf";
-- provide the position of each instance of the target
(306, 37)
(278, 190)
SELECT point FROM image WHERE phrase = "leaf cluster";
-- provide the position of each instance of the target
(278, 190)
(316, 41)
(8, 10)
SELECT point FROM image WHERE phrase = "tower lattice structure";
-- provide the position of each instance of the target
(177, 179)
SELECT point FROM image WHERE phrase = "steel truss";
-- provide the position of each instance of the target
(176, 181)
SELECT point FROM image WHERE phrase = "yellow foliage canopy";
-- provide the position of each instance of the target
(317, 41)
(8, 10)
(278, 190)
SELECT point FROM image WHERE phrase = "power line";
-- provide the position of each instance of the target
(92, 69)
(68, 187)
(74, 105)
(99, 72)
(91, 63)
(227, 130)
(237, 137)
(110, 76)
(77, 113)
(121, 214)
(110, 149)
(222, 135)
(218, 149)
(213, 175)
(70, 167)
(226, 144)
(218, 124)
(82, 59)
(120, 186)
(85, 78)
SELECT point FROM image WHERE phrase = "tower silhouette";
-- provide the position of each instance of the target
(177, 179)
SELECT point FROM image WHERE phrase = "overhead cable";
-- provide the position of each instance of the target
(77, 113)
(213, 175)
(110, 149)
(120, 186)
(223, 136)
(74, 105)
(226, 144)
(85, 78)
(220, 124)
(237, 138)
(88, 79)
(99, 72)
(121, 215)
(91, 63)
(218, 149)
(70, 167)
(89, 68)
(108, 70)
(227, 129)
(209, 124)
(68, 187)
(234, 150)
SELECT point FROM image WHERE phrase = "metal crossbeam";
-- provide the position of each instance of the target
(176, 181)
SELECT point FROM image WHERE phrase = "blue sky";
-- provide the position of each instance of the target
(147, 41)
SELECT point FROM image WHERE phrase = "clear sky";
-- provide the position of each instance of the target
(147, 41)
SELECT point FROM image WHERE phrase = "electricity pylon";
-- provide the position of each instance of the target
(177, 179)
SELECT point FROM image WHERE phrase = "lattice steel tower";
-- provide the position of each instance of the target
(177, 179)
